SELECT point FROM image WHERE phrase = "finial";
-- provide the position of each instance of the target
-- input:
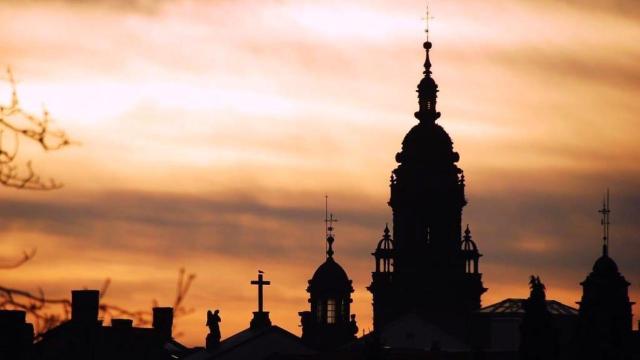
(329, 220)
(427, 60)
(605, 223)
(467, 233)
(427, 88)
(386, 230)
(427, 18)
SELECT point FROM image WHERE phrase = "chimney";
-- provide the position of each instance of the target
(163, 321)
(122, 323)
(16, 335)
(13, 317)
(84, 306)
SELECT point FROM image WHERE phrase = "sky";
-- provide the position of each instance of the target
(210, 131)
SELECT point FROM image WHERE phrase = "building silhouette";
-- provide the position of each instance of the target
(605, 310)
(427, 269)
(430, 271)
(16, 335)
(85, 337)
(329, 323)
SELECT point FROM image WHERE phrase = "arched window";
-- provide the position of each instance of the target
(331, 311)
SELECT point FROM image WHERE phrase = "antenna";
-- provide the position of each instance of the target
(605, 211)
(326, 215)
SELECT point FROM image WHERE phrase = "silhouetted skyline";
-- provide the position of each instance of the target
(174, 162)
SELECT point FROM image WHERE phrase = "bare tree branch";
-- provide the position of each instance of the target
(21, 125)
(26, 256)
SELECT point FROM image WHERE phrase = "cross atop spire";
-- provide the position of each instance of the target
(329, 220)
(605, 223)
(427, 88)
(427, 19)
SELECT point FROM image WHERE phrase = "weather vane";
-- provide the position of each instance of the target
(427, 19)
(605, 222)
(328, 218)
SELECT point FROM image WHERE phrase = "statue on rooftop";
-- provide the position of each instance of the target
(213, 322)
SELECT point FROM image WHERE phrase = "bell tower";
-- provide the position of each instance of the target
(435, 271)
(329, 322)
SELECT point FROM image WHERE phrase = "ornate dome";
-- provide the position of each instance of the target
(427, 142)
(330, 277)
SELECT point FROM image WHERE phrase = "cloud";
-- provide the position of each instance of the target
(147, 6)
(624, 8)
(178, 224)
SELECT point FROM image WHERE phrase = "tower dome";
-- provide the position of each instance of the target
(330, 277)
(605, 266)
(605, 310)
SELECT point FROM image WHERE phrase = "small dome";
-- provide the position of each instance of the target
(467, 243)
(605, 265)
(330, 277)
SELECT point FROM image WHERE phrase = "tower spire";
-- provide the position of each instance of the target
(605, 211)
(328, 220)
(427, 88)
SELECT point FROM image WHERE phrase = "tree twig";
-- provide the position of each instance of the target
(22, 125)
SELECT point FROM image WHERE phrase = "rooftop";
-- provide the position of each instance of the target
(515, 306)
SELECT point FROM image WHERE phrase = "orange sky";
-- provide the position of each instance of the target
(211, 131)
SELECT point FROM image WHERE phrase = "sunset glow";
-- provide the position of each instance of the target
(210, 131)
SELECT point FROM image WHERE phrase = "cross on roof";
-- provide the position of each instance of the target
(260, 282)
(427, 19)
(328, 220)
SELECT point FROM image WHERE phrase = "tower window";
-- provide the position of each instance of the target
(331, 311)
(319, 312)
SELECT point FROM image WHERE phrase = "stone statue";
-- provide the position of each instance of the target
(213, 322)
(537, 290)
(353, 325)
(538, 335)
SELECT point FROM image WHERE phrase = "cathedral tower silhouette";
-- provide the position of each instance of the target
(426, 267)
